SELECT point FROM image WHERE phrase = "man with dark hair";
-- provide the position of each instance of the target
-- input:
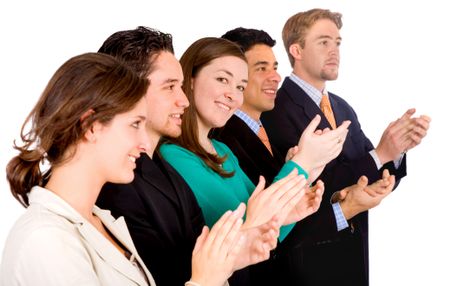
(160, 210)
(244, 133)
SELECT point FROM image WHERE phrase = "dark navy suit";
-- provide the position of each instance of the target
(315, 253)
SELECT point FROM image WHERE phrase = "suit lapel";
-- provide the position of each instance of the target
(93, 238)
(108, 252)
(339, 115)
(157, 177)
(257, 146)
(300, 98)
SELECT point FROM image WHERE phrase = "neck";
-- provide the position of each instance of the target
(154, 140)
(319, 84)
(77, 187)
(203, 139)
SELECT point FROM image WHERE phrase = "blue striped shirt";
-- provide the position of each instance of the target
(251, 123)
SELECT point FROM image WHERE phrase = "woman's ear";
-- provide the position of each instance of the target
(296, 51)
(89, 135)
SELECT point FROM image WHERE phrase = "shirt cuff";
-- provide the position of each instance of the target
(341, 222)
(376, 159)
(397, 162)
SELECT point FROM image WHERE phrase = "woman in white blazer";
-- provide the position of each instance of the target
(88, 127)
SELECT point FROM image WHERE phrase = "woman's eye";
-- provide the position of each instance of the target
(222, 80)
(136, 124)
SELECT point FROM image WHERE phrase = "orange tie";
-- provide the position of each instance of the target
(263, 136)
(325, 106)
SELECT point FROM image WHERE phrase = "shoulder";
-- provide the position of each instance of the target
(223, 150)
(342, 104)
(288, 86)
(337, 98)
(179, 157)
(173, 152)
(221, 147)
(167, 149)
(38, 218)
(38, 234)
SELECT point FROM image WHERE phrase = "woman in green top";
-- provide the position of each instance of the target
(215, 76)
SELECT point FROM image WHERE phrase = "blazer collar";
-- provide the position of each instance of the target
(92, 236)
(155, 172)
(237, 124)
(300, 98)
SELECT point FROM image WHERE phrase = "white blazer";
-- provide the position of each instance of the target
(53, 245)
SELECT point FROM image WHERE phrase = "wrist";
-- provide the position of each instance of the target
(347, 210)
(382, 158)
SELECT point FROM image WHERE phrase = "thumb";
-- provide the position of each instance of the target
(201, 239)
(312, 126)
(259, 187)
(363, 181)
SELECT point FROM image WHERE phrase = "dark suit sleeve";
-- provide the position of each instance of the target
(285, 124)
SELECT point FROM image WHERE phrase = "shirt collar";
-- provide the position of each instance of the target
(253, 124)
(311, 91)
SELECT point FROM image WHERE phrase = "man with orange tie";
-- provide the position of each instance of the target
(243, 133)
(331, 246)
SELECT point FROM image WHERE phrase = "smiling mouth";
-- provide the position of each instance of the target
(176, 115)
(223, 106)
(270, 91)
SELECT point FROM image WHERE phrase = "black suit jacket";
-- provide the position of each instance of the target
(162, 215)
(315, 253)
(254, 158)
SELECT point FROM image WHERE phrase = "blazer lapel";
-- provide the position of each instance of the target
(94, 239)
(152, 174)
(300, 98)
(339, 115)
(108, 252)
(257, 146)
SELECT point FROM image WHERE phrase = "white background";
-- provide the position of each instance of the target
(394, 56)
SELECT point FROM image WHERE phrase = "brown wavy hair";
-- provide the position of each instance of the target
(88, 82)
(196, 57)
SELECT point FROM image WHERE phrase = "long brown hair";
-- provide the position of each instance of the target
(196, 57)
(88, 82)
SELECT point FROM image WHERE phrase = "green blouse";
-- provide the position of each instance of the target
(216, 194)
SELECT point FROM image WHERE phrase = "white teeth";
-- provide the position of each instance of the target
(269, 91)
(132, 159)
(227, 108)
(175, 115)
